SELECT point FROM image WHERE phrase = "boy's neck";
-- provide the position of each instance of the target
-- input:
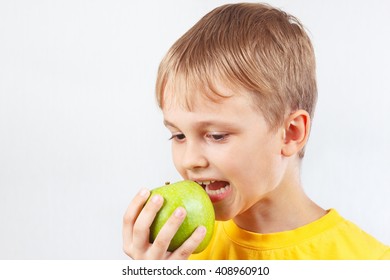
(286, 208)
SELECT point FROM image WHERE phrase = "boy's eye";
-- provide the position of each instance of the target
(217, 136)
(178, 136)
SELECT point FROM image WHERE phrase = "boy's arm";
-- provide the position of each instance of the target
(137, 221)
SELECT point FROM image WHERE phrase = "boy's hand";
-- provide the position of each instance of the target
(137, 221)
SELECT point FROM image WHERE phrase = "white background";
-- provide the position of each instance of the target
(80, 131)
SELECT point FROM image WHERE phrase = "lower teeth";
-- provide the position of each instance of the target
(219, 191)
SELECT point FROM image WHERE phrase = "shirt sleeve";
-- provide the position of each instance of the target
(386, 255)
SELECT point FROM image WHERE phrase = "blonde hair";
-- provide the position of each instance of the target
(249, 46)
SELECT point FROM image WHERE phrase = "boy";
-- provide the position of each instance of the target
(238, 93)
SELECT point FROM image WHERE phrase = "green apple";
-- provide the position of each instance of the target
(200, 211)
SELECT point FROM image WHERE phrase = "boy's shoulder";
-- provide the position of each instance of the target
(358, 242)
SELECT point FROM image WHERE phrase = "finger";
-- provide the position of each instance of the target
(131, 215)
(145, 219)
(168, 231)
(189, 246)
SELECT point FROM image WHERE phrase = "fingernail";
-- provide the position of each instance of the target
(144, 193)
(179, 212)
(201, 230)
(156, 199)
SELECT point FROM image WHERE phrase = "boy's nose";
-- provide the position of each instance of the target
(194, 158)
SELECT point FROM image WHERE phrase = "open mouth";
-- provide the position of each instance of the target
(216, 190)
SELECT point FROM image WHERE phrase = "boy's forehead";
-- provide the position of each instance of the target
(201, 107)
(190, 97)
(231, 113)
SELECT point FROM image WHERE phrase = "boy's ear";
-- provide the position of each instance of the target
(296, 132)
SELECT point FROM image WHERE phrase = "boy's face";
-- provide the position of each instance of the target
(228, 148)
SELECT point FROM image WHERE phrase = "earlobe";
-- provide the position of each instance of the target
(296, 132)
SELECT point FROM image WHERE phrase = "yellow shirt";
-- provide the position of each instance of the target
(329, 238)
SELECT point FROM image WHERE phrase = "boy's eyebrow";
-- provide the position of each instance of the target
(203, 123)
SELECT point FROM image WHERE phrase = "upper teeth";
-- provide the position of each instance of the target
(205, 183)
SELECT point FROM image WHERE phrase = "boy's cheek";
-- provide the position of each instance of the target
(178, 166)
